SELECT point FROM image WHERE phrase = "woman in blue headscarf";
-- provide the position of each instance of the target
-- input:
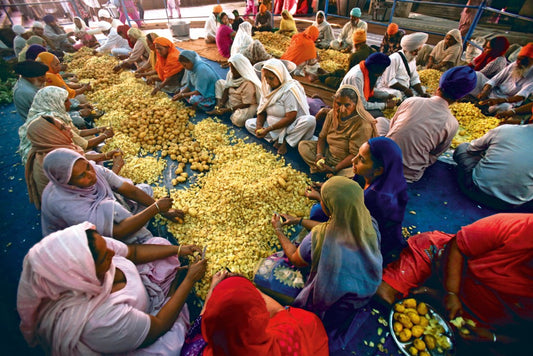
(379, 164)
(201, 79)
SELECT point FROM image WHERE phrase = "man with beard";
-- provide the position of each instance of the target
(32, 78)
(401, 77)
(57, 34)
(511, 86)
(344, 42)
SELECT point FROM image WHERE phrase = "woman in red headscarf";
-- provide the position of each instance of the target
(167, 66)
(238, 320)
(492, 60)
(302, 50)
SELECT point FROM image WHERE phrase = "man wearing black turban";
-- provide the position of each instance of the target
(32, 78)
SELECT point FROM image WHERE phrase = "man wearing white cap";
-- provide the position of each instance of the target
(345, 42)
(103, 15)
(114, 43)
(401, 75)
(18, 42)
(38, 30)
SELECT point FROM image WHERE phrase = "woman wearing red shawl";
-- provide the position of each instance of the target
(302, 50)
(167, 66)
(485, 271)
(492, 60)
(123, 32)
(238, 320)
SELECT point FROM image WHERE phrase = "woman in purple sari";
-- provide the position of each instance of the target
(79, 190)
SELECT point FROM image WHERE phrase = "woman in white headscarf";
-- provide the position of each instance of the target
(84, 294)
(283, 113)
(140, 52)
(239, 93)
(447, 53)
(243, 38)
(18, 42)
(84, 34)
(325, 35)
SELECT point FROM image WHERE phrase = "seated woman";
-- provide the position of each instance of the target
(490, 62)
(225, 35)
(201, 79)
(264, 21)
(168, 67)
(346, 128)
(447, 53)
(84, 35)
(325, 35)
(283, 113)
(81, 191)
(287, 25)
(147, 69)
(53, 101)
(240, 93)
(247, 46)
(81, 293)
(237, 319)
(343, 254)
(379, 165)
(484, 274)
(140, 52)
(303, 53)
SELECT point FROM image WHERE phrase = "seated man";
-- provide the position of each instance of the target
(104, 15)
(264, 21)
(512, 86)
(344, 41)
(114, 43)
(211, 25)
(391, 40)
(424, 127)
(57, 34)
(401, 77)
(361, 50)
(484, 167)
(364, 77)
(483, 273)
(447, 53)
(32, 78)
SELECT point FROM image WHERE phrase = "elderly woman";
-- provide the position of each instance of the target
(447, 53)
(169, 69)
(237, 319)
(325, 34)
(484, 273)
(147, 69)
(348, 242)
(287, 25)
(302, 52)
(81, 191)
(283, 113)
(84, 294)
(346, 128)
(140, 52)
(201, 80)
(18, 42)
(225, 35)
(240, 93)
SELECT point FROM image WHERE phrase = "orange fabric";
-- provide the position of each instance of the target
(359, 36)
(167, 67)
(54, 79)
(392, 29)
(526, 51)
(262, 8)
(367, 91)
(302, 47)
(236, 322)
(217, 9)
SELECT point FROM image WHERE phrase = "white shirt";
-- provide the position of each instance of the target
(505, 85)
(211, 26)
(356, 78)
(396, 73)
(113, 40)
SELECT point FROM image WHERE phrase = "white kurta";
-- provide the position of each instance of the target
(356, 78)
(396, 73)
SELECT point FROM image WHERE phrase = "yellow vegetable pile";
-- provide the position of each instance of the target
(331, 60)
(430, 79)
(230, 207)
(472, 123)
(420, 331)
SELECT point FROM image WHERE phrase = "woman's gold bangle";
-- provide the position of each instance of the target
(179, 249)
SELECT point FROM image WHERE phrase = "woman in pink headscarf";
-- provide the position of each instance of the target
(84, 294)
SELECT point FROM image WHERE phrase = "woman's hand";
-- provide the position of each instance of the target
(261, 132)
(390, 103)
(112, 154)
(218, 277)
(289, 220)
(312, 193)
(156, 89)
(490, 102)
(476, 334)
(174, 215)
(276, 222)
(108, 132)
(189, 250)
(505, 114)
(453, 305)
(178, 96)
(118, 163)
(197, 270)
(164, 204)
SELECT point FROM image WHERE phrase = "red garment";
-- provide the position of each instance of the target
(302, 7)
(499, 46)
(526, 51)
(167, 67)
(236, 322)
(368, 90)
(123, 32)
(302, 47)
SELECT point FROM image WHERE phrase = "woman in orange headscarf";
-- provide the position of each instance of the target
(167, 66)
(302, 51)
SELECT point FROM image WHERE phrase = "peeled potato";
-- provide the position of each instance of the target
(422, 309)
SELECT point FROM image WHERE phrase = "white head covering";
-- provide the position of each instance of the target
(103, 13)
(413, 41)
(323, 24)
(243, 38)
(456, 34)
(231, 16)
(59, 290)
(104, 26)
(38, 24)
(287, 84)
(18, 29)
(83, 26)
(247, 72)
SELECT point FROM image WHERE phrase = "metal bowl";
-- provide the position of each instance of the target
(291, 67)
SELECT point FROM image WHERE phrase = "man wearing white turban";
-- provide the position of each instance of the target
(103, 15)
(401, 75)
(447, 53)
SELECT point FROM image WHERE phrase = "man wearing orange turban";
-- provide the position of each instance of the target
(361, 50)
(391, 40)
(264, 20)
(511, 86)
(211, 25)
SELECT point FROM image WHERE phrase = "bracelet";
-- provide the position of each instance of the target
(494, 337)
(452, 293)
(179, 249)
(157, 206)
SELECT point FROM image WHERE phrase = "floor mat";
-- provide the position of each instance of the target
(205, 50)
